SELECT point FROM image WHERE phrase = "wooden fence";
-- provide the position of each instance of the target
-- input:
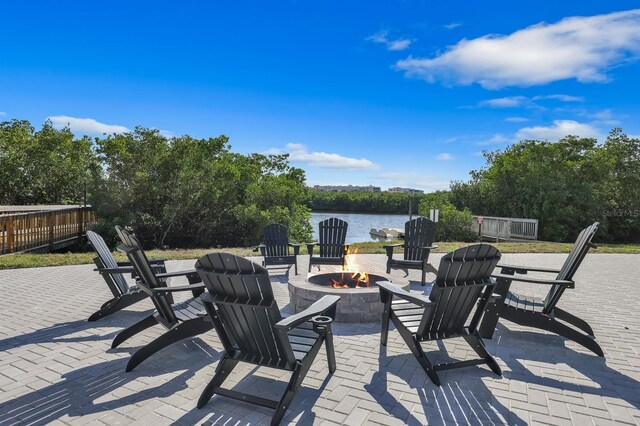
(506, 228)
(43, 230)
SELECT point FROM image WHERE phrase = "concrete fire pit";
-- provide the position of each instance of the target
(357, 305)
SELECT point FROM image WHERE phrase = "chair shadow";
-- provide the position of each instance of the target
(56, 333)
(79, 391)
(462, 398)
(225, 410)
(550, 350)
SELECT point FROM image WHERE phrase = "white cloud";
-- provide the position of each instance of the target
(516, 119)
(452, 25)
(167, 133)
(445, 156)
(2, 113)
(382, 38)
(558, 130)
(300, 153)
(581, 48)
(86, 125)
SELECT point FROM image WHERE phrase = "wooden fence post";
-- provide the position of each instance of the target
(51, 224)
(10, 240)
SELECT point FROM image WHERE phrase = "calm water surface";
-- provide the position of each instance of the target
(361, 223)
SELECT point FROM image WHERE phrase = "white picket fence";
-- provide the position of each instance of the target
(506, 228)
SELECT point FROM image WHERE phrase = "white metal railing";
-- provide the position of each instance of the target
(506, 228)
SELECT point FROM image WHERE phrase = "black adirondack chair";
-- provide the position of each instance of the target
(241, 305)
(275, 247)
(182, 320)
(464, 276)
(123, 294)
(418, 243)
(333, 233)
(543, 313)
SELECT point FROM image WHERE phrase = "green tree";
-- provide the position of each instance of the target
(48, 166)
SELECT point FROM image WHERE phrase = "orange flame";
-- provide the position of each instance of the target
(351, 265)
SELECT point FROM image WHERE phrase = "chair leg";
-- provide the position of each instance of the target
(475, 341)
(331, 354)
(116, 304)
(418, 352)
(295, 266)
(573, 320)
(136, 328)
(224, 368)
(181, 331)
(571, 334)
(384, 331)
(290, 393)
(424, 275)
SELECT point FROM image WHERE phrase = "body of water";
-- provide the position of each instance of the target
(361, 223)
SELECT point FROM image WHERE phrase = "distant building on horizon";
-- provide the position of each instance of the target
(346, 188)
(400, 190)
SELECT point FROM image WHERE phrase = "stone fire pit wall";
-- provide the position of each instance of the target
(357, 305)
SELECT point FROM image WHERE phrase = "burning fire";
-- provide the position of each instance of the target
(353, 269)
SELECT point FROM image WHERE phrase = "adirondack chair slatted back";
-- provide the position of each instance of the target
(333, 234)
(147, 280)
(107, 260)
(246, 308)
(418, 233)
(276, 240)
(462, 276)
(578, 252)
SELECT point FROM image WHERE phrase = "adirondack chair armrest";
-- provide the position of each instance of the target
(191, 274)
(257, 248)
(395, 291)
(295, 247)
(389, 248)
(431, 247)
(151, 261)
(524, 269)
(310, 247)
(191, 287)
(119, 270)
(323, 305)
(565, 283)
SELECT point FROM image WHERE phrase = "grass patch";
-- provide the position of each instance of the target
(14, 261)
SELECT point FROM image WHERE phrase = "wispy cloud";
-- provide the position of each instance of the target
(453, 25)
(525, 102)
(300, 153)
(558, 130)
(445, 156)
(560, 97)
(497, 139)
(516, 119)
(581, 48)
(86, 125)
(382, 37)
(505, 102)
(2, 113)
(167, 133)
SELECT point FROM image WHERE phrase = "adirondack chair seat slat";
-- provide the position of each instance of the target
(189, 309)
(242, 308)
(543, 313)
(462, 283)
(418, 243)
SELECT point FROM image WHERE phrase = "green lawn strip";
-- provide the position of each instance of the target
(14, 261)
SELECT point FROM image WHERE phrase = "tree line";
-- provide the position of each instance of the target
(177, 192)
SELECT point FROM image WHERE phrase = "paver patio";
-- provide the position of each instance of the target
(55, 367)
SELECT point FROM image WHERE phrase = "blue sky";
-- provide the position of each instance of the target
(386, 93)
